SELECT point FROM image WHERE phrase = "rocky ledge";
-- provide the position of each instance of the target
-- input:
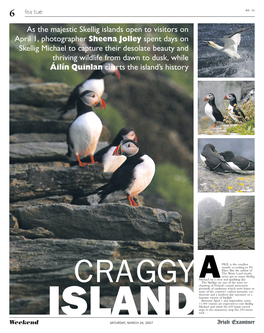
(112, 221)
(209, 181)
(47, 241)
(55, 222)
(239, 236)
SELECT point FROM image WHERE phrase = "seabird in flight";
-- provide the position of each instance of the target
(231, 43)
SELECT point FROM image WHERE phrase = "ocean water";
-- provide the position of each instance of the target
(212, 63)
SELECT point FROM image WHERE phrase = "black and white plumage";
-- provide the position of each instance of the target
(211, 109)
(105, 155)
(213, 160)
(84, 132)
(131, 178)
(239, 164)
(234, 111)
(231, 43)
(95, 83)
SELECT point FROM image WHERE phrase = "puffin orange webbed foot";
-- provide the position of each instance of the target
(81, 164)
(132, 201)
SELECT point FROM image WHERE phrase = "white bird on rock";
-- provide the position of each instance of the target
(105, 155)
(84, 132)
(131, 178)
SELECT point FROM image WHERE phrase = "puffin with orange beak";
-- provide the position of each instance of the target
(131, 178)
(84, 132)
(95, 83)
(234, 111)
(105, 155)
(212, 110)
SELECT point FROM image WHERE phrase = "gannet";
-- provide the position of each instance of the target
(231, 43)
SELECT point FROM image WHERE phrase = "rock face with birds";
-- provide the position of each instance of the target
(84, 132)
(131, 178)
(132, 169)
(95, 83)
(211, 109)
(58, 188)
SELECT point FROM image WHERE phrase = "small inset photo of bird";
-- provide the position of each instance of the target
(226, 108)
(226, 165)
(226, 50)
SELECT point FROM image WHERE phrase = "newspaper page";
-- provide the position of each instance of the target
(132, 145)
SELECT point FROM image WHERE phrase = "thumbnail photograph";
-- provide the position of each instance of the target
(226, 50)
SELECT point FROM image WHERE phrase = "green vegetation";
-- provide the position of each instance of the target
(40, 64)
(112, 119)
(244, 127)
(171, 183)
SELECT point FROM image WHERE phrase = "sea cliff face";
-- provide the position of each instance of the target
(55, 222)
(228, 227)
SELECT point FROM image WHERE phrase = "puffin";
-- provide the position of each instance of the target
(105, 155)
(211, 109)
(213, 160)
(84, 132)
(95, 83)
(131, 178)
(234, 111)
(231, 43)
(239, 164)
